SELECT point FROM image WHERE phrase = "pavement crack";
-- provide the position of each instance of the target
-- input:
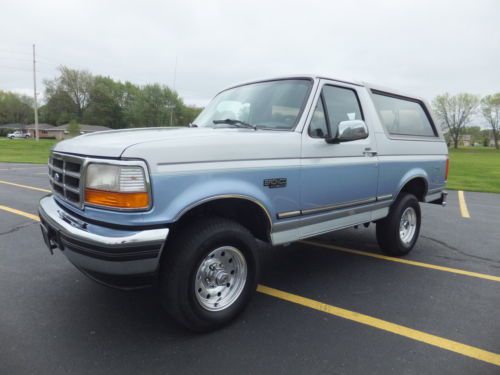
(17, 227)
(457, 250)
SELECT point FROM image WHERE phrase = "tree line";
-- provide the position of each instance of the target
(455, 113)
(78, 95)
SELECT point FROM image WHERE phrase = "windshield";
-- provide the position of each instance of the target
(273, 105)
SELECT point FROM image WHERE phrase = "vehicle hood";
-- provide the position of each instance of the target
(113, 143)
(185, 145)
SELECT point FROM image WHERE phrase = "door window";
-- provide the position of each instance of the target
(342, 104)
(318, 127)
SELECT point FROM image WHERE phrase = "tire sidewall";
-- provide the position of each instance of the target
(406, 201)
(218, 240)
(178, 272)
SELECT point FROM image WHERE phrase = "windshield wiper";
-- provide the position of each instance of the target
(237, 123)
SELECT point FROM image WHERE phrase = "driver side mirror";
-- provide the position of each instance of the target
(351, 130)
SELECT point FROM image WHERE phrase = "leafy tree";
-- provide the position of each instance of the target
(156, 105)
(73, 128)
(77, 94)
(15, 108)
(59, 108)
(105, 103)
(76, 84)
(490, 108)
(454, 112)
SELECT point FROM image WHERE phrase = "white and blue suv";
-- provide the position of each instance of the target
(276, 160)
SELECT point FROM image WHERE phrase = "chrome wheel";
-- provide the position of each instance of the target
(220, 278)
(408, 225)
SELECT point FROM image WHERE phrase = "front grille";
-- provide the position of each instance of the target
(65, 177)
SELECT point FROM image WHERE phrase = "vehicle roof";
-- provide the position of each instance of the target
(294, 76)
(341, 80)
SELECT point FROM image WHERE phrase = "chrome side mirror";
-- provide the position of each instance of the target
(351, 130)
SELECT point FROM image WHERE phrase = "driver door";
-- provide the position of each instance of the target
(337, 178)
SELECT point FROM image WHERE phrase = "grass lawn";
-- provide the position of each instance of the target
(475, 169)
(471, 168)
(25, 150)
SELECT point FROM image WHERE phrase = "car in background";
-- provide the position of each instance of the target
(18, 134)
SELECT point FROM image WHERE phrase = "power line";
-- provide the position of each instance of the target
(13, 58)
(3, 50)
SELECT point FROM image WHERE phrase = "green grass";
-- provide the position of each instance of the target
(471, 168)
(25, 150)
(475, 169)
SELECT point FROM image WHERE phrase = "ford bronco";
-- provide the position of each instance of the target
(276, 160)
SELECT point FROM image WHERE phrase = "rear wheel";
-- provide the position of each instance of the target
(398, 232)
(209, 274)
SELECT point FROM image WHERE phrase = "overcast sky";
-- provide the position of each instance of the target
(422, 47)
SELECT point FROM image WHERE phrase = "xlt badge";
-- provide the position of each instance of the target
(272, 183)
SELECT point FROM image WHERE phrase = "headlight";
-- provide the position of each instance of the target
(117, 186)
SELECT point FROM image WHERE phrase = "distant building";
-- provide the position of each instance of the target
(465, 140)
(13, 126)
(29, 129)
(51, 131)
(61, 132)
(42, 130)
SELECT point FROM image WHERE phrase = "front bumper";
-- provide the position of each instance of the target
(97, 249)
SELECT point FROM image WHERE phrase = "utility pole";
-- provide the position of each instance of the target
(173, 89)
(34, 95)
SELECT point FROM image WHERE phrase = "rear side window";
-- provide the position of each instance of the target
(403, 116)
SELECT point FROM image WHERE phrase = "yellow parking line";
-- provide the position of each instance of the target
(406, 261)
(440, 342)
(454, 346)
(20, 213)
(24, 186)
(463, 206)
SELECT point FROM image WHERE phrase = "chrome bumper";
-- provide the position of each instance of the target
(97, 248)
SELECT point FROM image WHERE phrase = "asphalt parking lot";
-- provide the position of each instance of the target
(331, 305)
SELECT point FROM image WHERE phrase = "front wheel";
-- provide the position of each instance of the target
(209, 274)
(398, 232)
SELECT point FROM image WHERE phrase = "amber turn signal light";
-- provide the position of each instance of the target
(117, 199)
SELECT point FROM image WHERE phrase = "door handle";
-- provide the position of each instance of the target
(370, 153)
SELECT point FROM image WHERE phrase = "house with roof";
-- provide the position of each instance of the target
(62, 132)
(30, 129)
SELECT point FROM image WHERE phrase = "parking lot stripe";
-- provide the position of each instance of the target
(463, 206)
(440, 342)
(406, 261)
(20, 213)
(24, 186)
(454, 346)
